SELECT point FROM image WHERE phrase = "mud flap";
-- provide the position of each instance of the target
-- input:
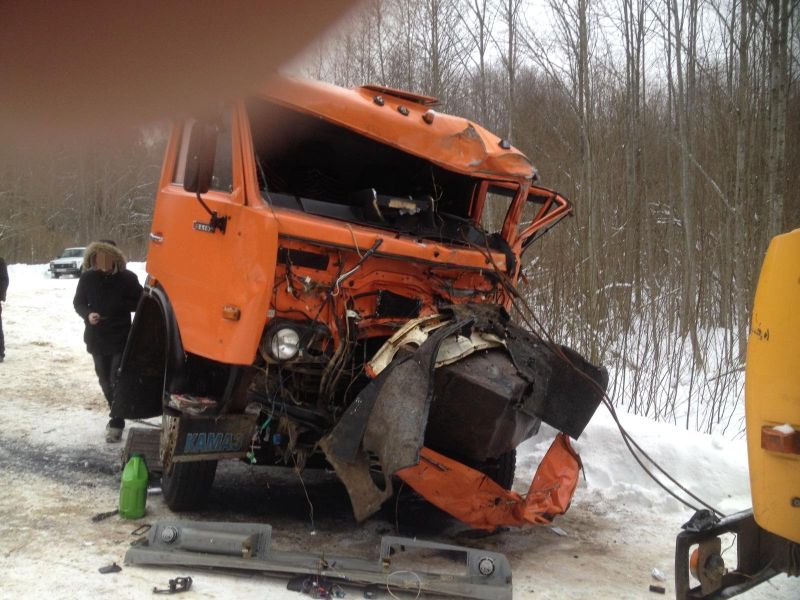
(139, 386)
(475, 499)
(387, 419)
(153, 359)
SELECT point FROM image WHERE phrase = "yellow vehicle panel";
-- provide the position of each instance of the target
(772, 389)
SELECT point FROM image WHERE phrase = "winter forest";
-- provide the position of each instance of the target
(672, 125)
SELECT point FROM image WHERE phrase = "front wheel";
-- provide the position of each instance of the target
(185, 485)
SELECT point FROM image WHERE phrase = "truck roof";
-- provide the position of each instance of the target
(395, 117)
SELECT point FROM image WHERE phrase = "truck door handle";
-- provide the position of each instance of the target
(156, 238)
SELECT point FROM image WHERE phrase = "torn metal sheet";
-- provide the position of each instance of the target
(566, 388)
(405, 564)
(396, 426)
(365, 496)
(388, 420)
(416, 332)
(475, 499)
(344, 441)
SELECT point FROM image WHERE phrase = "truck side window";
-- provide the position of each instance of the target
(222, 177)
(183, 151)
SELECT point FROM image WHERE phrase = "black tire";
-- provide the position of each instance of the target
(501, 470)
(55, 275)
(187, 484)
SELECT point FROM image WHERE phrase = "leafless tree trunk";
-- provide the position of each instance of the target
(740, 189)
(478, 27)
(510, 15)
(778, 81)
(439, 41)
(586, 111)
(633, 12)
(684, 110)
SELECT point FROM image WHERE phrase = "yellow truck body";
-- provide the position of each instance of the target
(772, 390)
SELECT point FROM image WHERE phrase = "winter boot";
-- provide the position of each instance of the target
(113, 433)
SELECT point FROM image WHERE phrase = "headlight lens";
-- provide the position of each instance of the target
(285, 343)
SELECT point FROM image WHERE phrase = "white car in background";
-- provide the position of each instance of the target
(69, 262)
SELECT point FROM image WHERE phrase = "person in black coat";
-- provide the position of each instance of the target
(3, 288)
(106, 295)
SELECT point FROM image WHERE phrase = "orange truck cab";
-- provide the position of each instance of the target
(330, 275)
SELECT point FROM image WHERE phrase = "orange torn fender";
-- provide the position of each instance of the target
(477, 500)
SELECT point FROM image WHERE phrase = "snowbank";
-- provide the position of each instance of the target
(711, 467)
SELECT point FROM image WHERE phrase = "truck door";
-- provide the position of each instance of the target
(218, 279)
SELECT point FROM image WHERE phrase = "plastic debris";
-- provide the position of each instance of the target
(558, 531)
(701, 520)
(656, 574)
(142, 529)
(658, 589)
(112, 568)
(176, 586)
(315, 586)
(104, 515)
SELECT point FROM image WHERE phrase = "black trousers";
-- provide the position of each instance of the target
(2, 339)
(106, 365)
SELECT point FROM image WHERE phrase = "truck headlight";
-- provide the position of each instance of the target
(285, 343)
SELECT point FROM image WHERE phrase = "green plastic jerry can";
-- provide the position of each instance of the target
(133, 489)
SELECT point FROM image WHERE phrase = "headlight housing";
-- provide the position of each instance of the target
(285, 343)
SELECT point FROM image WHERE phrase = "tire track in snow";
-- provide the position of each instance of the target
(69, 466)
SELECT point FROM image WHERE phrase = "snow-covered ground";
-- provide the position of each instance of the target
(58, 472)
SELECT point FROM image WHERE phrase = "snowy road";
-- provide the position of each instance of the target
(58, 472)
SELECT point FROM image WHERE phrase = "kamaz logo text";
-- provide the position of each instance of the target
(212, 442)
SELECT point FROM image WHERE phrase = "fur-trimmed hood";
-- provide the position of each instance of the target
(95, 247)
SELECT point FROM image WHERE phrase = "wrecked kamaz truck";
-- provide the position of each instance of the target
(329, 278)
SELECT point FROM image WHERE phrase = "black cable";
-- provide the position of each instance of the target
(626, 437)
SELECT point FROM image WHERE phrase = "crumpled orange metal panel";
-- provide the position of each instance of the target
(475, 499)
(453, 143)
